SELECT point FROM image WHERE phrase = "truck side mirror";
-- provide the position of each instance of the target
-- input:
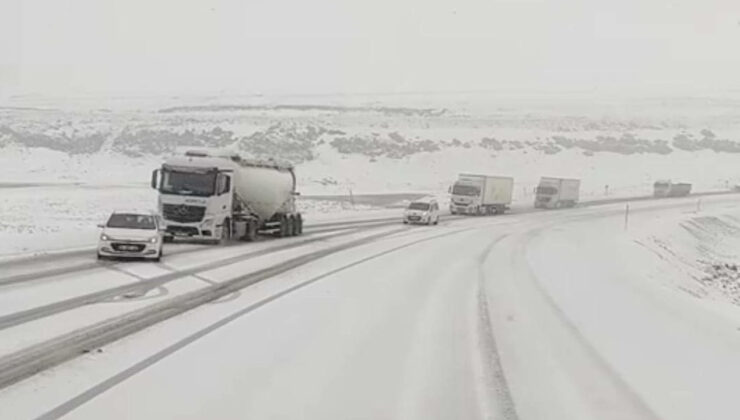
(223, 184)
(155, 178)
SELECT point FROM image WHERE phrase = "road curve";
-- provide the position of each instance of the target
(488, 318)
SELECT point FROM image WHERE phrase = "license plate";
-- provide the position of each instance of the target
(129, 248)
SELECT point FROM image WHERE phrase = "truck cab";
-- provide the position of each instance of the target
(481, 194)
(554, 193)
(466, 196)
(195, 196)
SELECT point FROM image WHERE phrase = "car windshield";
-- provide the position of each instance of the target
(188, 183)
(131, 221)
(419, 206)
(465, 190)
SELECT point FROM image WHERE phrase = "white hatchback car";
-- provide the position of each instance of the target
(424, 211)
(132, 234)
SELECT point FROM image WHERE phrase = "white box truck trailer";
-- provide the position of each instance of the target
(216, 196)
(667, 188)
(553, 193)
(481, 194)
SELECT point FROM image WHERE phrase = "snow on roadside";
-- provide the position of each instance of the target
(701, 251)
(46, 218)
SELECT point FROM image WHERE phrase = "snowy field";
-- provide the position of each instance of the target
(86, 156)
(50, 217)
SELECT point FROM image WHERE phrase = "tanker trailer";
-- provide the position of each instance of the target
(216, 196)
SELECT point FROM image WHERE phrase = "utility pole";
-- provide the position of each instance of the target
(626, 216)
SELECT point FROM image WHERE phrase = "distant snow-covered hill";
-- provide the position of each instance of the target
(384, 147)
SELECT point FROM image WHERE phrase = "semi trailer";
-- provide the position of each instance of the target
(216, 196)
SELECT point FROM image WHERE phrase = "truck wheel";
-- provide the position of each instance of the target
(225, 232)
(299, 224)
(251, 234)
(291, 226)
(284, 232)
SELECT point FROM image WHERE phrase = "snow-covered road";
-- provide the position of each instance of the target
(543, 315)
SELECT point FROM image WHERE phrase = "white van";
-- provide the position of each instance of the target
(423, 211)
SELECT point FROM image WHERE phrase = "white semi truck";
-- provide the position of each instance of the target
(553, 193)
(217, 196)
(481, 194)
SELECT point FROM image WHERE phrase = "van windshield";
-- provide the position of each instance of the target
(419, 206)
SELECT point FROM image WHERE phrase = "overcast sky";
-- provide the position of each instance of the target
(329, 46)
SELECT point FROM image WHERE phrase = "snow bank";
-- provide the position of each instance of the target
(700, 252)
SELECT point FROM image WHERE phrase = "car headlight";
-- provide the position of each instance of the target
(153, 239)
(104, 237)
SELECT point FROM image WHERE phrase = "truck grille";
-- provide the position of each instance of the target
(183, 213)
(182, 230)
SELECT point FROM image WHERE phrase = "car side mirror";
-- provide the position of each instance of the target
(101, 225)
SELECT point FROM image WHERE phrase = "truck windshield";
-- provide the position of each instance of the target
(131, 221)
(547, 190)
(188, 183)
(419, 206)
(465, 190)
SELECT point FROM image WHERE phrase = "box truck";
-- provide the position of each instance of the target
(553, 193)
(667, 188)
(481, 194)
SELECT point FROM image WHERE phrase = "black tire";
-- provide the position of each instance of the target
(291, 225)
(299, 224)
(225, 232)
(283, 226)
(251, 234)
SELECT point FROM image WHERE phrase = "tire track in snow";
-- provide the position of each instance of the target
(493, 393)
(92, 392)
(142, 287)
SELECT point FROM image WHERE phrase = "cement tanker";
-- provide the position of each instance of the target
(218, 196)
